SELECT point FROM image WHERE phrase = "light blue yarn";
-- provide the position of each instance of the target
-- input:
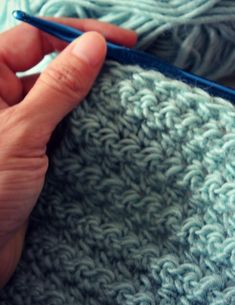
(138, 206)
(197, 35)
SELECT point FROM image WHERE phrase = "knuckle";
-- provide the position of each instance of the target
(66, 80)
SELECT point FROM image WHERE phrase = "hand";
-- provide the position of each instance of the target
(30, 109)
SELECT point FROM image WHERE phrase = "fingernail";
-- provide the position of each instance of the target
(90, 47)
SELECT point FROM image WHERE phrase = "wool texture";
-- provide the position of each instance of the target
(138, 206)
(197, 35)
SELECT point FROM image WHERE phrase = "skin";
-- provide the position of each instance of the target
(30, 109)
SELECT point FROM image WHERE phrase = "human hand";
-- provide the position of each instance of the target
(30, 109)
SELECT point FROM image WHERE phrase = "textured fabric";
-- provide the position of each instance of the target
(197, 35)
(138, 206)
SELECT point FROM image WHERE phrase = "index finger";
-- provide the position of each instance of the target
(24, 46)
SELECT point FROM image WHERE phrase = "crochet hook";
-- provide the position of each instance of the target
(130, 56)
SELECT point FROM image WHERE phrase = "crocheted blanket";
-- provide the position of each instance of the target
(139, 203)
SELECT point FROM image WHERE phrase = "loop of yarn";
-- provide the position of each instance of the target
(196, 35)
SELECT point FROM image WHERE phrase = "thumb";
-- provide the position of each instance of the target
(65, 82)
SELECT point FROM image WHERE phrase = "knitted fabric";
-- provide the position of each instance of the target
(138, 207)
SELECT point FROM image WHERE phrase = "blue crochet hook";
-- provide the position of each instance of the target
(130, 56)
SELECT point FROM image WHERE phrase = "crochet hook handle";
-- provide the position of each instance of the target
(131, 56)
(148, 61)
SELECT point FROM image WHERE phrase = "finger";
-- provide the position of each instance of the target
(10, 86)
(36, 44)
(110, 31)
(3, 104)
(28, 82)
(63, 84)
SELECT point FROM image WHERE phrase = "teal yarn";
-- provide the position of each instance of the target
(138, 205)
(197, 35)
